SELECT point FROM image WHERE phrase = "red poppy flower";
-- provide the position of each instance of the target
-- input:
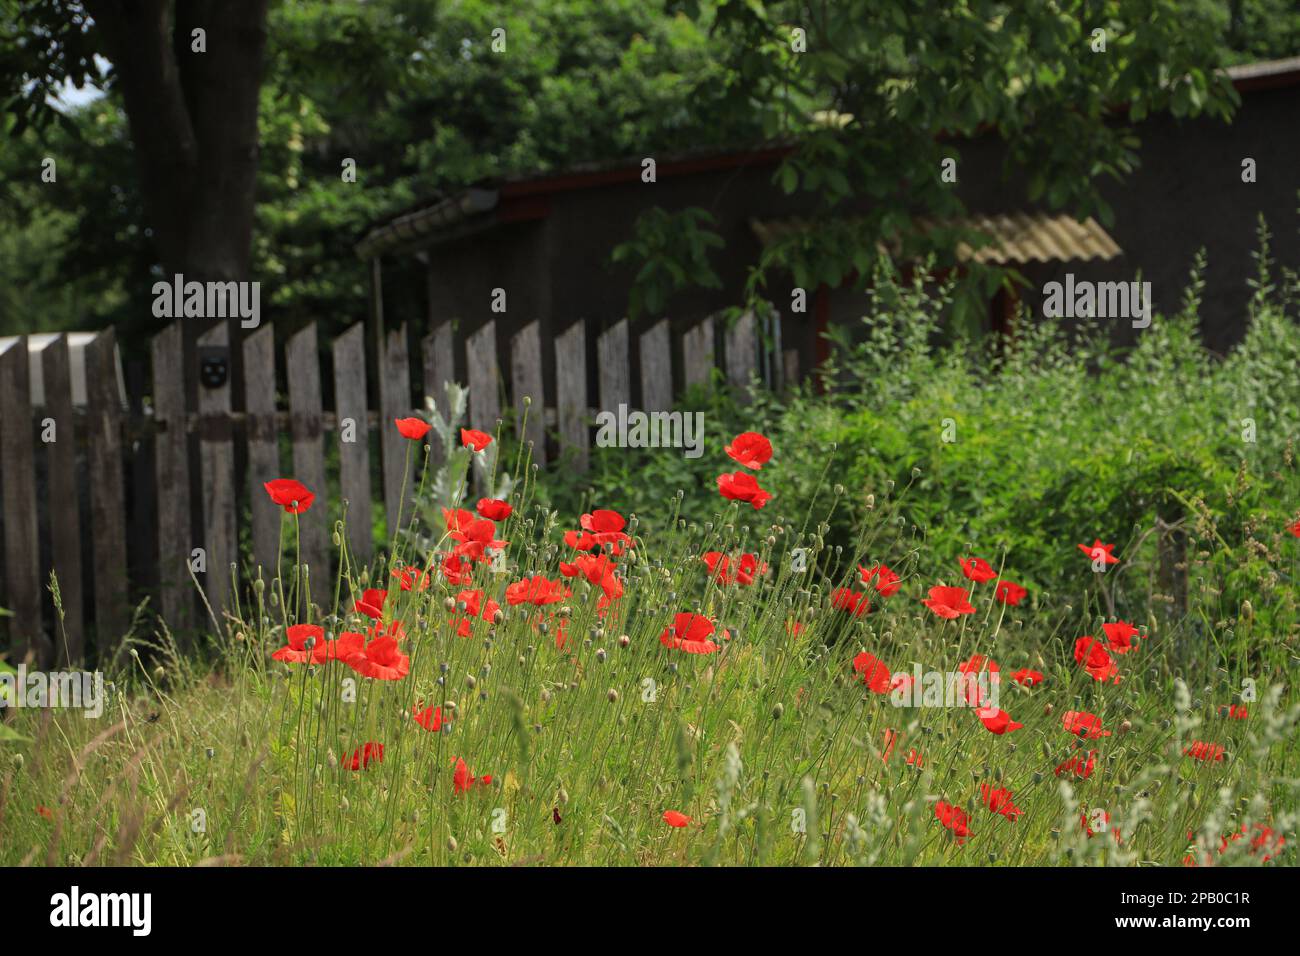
(1026, 677)
(997, 721)
(475, 606)
(364, 756)
(290, 495)
(1235, 711)
(44, 811)
(537, 591)
(740, 486)
(1096, 660)
(953, 818)
(977, 570)
(853, 602)
(749, 449)
(1098, 550)
(371, 603)
(977, 663)
(413, 428)
(948, 602)
(690, 633)
(1294, 528)
(886, 582)
(1204, 751)
(742, 571)
(874, 672)
(296, 651)
(473, 438)
(914, 759)
(494, 509)
(793, 627)
(1078, 766)
(458, 570)
(1083, 724)
(347, 644)
(462, 779)
(476, 539)
(1121, 636)
(430, 718)
(412, 577)
(600, 528)
(381, 660)
(457, 519)
(1008, 593)
(675, 819)
(1000, 800)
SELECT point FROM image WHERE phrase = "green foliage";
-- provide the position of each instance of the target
(672, 251)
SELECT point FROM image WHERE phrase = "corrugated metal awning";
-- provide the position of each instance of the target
(1016, 238)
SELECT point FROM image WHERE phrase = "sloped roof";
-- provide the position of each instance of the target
(1017, 238)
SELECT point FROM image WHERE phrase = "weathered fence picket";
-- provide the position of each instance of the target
(263, 448)
(217, 461)
(61, 490)
(526, 379)
(396, 451)
(657, 368)
(172, 474)
(571, 393)
(104, 457)
(353, 435)
(613, 367)
(18, 477)
(303, 361)
(697, 353)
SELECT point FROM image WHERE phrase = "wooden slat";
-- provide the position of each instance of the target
(354, 456)
(742, 354)
(439, 369)
(395, 402)
(657, 368)
(790, 368)
(303, 360)
(481, 364)
(172, 471)
(526, 380)
(107, 495)
(263, 447)
(615, 378)
(571, 392)
(697, 349)
(64, 501)
(217, 477)
(22, 551)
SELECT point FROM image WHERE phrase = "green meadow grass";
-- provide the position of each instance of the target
(773, 746)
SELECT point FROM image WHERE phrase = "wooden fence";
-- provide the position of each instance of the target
(114, 497)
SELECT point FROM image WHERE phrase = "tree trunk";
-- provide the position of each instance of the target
(193, 121)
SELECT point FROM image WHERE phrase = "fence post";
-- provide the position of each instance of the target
(395, 402)
(65, 510)
(107, 496)
(571, 392)
(615, 377)
(18, 477)
(526, 380)
(350, 406)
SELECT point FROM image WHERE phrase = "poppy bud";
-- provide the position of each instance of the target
(470, 682)
(777, 711)
(838, 489)
(498, 617)
(331, 759)
(612, 696)
(1047, 710)
(624, 640)
(1247, 611)
(18, 761)
(871, 502)
(337, 540)
(210, 753)
(563, 796)
(565, 612)
(451, 844)
(449, 604)
(343, 804)
(916, 472)
(600, 655)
